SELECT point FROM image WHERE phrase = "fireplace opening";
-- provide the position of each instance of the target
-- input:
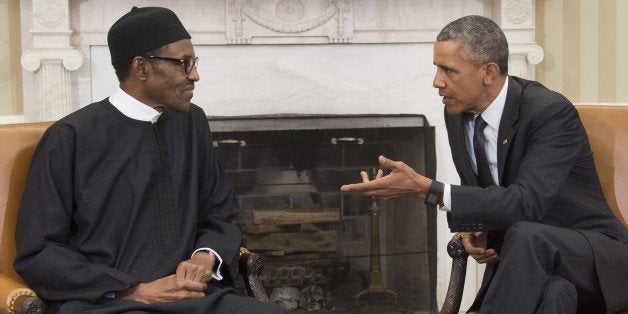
(325, 250)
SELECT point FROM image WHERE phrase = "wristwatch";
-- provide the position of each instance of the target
(435, 193)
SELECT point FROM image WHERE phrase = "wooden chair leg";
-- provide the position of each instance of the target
(250, 268)
(28, 304)
(458, 272)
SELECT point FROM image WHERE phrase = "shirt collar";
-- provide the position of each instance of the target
(493, 113)
(132, 107)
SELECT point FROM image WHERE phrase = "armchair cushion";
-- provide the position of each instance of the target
(18, 143)
(607, 128)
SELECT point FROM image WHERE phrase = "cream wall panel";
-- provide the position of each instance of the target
(586, 45)
(10, 69)
(621, 75)
(607, 50)
(571, 52)
(549, 35)
(589, 20)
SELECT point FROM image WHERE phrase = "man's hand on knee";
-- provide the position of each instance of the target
(475, 243)
(166, 289)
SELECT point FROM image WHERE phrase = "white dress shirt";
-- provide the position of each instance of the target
(492, 115)
(137, 110)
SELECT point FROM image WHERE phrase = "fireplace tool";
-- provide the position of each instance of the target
(376, 283)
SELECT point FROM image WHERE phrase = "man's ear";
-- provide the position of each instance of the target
(139, 68)
(491, 72)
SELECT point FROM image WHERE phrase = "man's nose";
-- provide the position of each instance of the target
(193, 75)
(438, 82)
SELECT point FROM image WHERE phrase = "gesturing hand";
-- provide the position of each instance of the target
(475, 243)
(166, 289)
(402, 181)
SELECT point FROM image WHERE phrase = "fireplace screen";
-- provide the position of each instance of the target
(324, 250)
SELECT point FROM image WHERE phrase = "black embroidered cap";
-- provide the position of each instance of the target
(142, 30)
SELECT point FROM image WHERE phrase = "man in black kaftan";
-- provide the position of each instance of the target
(126, 207)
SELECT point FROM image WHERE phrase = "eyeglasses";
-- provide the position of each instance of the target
(189, 63)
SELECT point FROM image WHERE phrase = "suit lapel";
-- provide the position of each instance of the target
(507, 128)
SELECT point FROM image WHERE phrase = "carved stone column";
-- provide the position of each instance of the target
(52, 58)
(516, 18)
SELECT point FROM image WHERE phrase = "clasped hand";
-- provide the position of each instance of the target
(189, 281)
(475, 243)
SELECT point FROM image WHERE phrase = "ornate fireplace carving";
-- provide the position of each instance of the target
(322, 18)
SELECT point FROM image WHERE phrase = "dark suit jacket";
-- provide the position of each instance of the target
(547, 175)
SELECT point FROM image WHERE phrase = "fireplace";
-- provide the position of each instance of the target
(319, 245)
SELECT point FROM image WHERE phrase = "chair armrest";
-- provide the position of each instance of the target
(18, 298)
(458, 272)
(250, 268)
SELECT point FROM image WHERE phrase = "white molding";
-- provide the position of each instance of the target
(51, 58)
(523, 58)
(71, 59)
(12, 119)
(308, 20)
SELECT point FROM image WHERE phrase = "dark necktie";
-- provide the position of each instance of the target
(484, 171)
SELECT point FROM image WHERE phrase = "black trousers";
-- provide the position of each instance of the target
(544, 269)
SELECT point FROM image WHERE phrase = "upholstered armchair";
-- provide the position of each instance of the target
(17, 144)
(607, 128)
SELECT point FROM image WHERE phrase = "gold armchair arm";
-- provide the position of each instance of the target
(15, 297)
